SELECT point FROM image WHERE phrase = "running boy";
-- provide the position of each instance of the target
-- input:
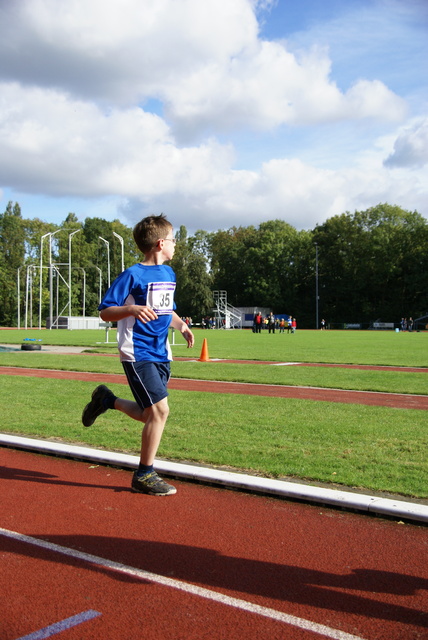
(141, 301)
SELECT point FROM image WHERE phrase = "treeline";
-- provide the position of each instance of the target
(369, 265)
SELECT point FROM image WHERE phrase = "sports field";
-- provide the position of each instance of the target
(368, 447)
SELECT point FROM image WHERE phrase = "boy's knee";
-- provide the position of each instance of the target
(160, 410)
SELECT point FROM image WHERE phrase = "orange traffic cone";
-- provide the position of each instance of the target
(204, 352)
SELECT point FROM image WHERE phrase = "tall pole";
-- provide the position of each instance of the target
(18, 293)
(41, 278)
(27, 286)
(108, 259)
(116, 235)
(100, 273)
(70, 235)
(84, 291)
(316, 283)
(31, 294)
(51, 278)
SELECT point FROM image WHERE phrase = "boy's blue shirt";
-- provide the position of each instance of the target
(153, 286)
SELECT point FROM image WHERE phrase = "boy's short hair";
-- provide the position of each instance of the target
(149, 230)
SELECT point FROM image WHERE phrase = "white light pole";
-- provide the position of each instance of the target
(108, 259)
(100, 273)
(316, 283)
(84, 291)
(27, 287)
(41, 278)
(18, 275)
(70, 235)
(116, 235)
(51, 278)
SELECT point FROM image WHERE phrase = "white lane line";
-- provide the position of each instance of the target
(58, 627)
(249, 607)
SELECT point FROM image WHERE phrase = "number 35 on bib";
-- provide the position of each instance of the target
(160, 297)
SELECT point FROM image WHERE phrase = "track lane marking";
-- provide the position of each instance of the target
(57, 627)
(194, 590)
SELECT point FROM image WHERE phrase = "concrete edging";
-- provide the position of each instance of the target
(266, 486)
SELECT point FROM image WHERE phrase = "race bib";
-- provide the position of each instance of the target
(160, 297)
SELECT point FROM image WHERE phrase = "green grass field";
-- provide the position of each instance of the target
(341, 347)
(373, 448)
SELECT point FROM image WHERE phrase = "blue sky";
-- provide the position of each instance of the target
(218, 113)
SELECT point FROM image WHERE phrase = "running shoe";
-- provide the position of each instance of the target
(152, 484)
(96, 406)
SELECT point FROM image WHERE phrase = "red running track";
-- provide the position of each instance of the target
(304, 566)
(395, 400)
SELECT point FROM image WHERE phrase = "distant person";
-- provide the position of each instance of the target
(289, 323)
(258, 322)
(410, 324)
(293, 325)
(141, 301)
(271, 323)
(322, 324)
(281, 325)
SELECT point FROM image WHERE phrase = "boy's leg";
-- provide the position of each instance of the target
(145, 480)
(148, 383)
(156, 417)
(131, 409)
(103, 399)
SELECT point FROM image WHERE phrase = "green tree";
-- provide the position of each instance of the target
(12, 259)
(373, 264)
(232, 265)
(273, 259)
(257, 267)
(194, 295)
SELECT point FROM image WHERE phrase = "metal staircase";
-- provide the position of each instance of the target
(227, 316)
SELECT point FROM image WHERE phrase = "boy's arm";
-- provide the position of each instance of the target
(113, 314)
(177, 323)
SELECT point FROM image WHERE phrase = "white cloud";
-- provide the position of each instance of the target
(204, 60)
(120, 51)
(291, 190)
(74, 79)
(121, 152)
(411, 146)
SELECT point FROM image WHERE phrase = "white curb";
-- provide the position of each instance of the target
(267, 486)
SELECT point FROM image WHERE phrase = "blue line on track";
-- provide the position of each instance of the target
(53, 629)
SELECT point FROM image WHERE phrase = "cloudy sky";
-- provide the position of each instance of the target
(218, 113)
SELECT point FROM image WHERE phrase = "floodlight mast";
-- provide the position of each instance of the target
(70, 236)
(108, 259)
(316, 285)
(116, 235)
(41, 279)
